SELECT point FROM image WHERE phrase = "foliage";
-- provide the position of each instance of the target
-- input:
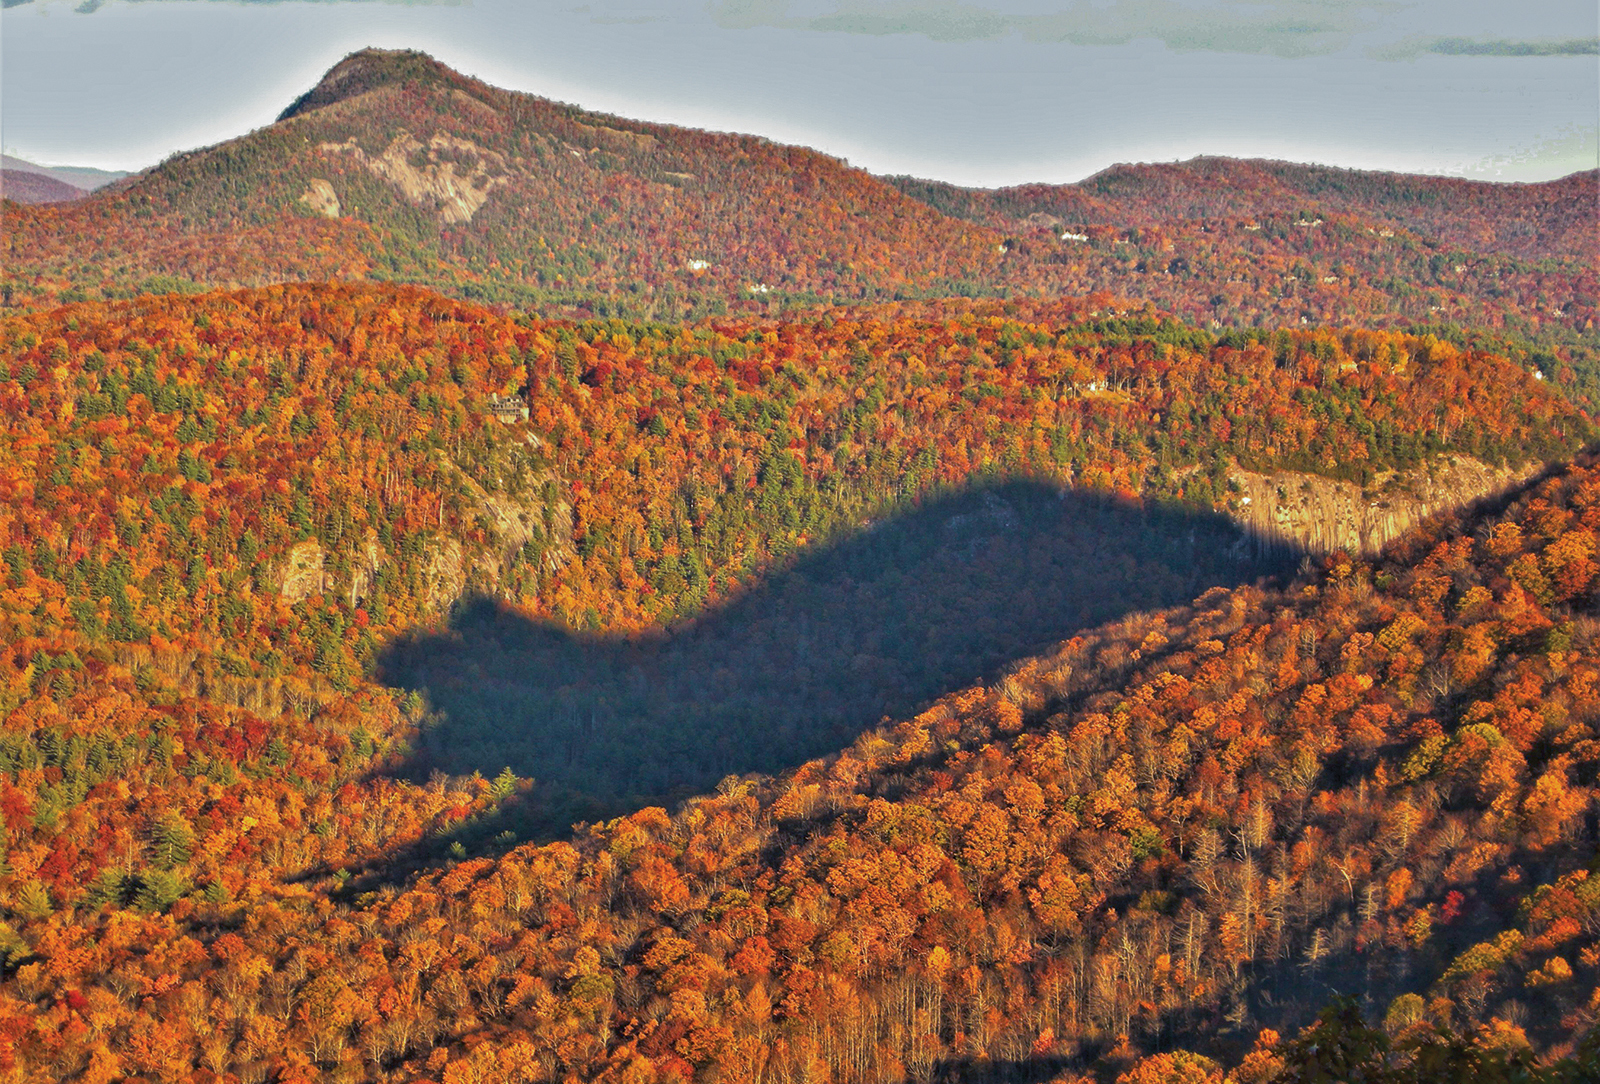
(499, 197)
(1193, 820)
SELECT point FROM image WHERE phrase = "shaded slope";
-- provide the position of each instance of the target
(874, 625)
(218, 509)
(1176, 831)
(1171, 832)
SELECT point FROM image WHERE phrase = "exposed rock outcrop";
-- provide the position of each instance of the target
(452, 176)
(516, 522)
(303, 573)
(365, 563)
(443, 573)
(320, 197)
(306, 572)
(1323, 515)
(540, 515)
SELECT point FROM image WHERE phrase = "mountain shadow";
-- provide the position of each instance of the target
(847, 634)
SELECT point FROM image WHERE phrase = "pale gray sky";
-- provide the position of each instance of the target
(985, 92)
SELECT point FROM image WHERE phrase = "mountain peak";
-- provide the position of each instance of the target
(368, 69)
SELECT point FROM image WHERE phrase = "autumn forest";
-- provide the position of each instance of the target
(495, 592)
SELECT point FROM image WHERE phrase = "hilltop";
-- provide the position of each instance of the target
(25, 182)
(27, 186)
(1550, 218)
(409, 170)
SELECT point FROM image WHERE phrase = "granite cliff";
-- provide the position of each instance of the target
(1324, 515)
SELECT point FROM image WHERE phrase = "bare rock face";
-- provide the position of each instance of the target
(452, 176)
(443, 573)
(539, 515)
(1322, 515)
(515, 521)
(512, 522)
(365, 563)
(320, 197)
(303, 574)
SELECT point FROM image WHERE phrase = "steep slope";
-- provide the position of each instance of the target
(1381, 780)
(237, 507)
(1325, 515)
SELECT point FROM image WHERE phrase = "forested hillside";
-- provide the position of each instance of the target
(1377, 778)
(30, 186)
(1547, 219)
(1510, 266)
(252, 493)
(397, 167)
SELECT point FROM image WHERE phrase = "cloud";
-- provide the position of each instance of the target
(1412, 48)
(1287, 28)
(89, 7)
(1570, 149)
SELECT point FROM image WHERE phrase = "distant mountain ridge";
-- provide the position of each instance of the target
(25, 186)
(395, 167)
(1546, 218)
(81, 180)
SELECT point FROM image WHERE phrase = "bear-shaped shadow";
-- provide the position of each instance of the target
(844, 636)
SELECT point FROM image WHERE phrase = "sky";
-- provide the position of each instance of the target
(976, 92)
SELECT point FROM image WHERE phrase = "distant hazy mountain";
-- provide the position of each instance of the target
(83, 178)
(25, 186)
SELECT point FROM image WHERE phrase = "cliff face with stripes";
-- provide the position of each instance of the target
(1325, 515)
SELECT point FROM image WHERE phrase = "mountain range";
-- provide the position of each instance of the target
(396, 168)
(24, 182)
